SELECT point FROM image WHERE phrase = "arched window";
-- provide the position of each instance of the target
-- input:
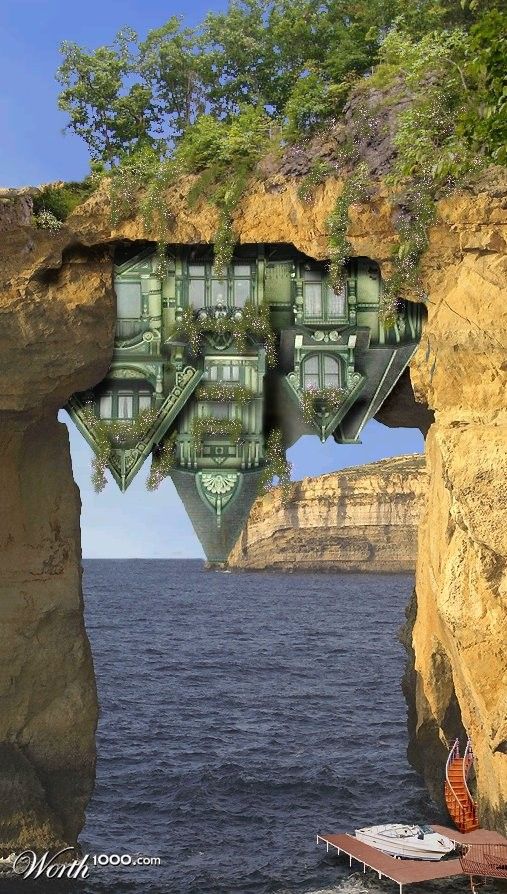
(321, 371)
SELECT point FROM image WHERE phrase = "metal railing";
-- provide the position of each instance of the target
(468, 759)
(462, 808)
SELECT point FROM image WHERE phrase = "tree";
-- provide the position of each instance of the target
(110, 116)
(485, 121)
(296, 61)
(170, 65)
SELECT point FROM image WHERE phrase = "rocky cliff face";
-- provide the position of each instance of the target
(57, 321)
(56, 314)
(459, 630)
(361, 519)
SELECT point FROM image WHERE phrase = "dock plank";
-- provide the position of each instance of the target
(478, 836)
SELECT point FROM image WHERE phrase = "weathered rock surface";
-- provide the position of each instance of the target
(56, 330)
(460, 369)
(56, 334)
(48, 701)
(359, 519)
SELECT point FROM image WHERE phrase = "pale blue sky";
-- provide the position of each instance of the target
(34, 150)
(145, 525)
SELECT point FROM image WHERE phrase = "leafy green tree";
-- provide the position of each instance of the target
(170, 65)
(237, 63)
(296, 60)
(109, 115)
(484, 122)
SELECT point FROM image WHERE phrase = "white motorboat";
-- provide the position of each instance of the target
(402, 840)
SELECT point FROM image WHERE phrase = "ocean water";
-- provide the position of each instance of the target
(241, 714)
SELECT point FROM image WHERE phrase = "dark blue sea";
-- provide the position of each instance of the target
(241, 714)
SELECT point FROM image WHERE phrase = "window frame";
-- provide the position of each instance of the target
(128, 327)
(115, 393)
(210, 278)
(321, 358)
(221, 364)
(325, 288)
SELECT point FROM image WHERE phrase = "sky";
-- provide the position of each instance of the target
(34, 150)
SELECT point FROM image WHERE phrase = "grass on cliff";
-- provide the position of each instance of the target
(60, 200)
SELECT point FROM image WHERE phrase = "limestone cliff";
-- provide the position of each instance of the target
(56, 313)
(460, 369)
(56, 337)
(360, 519)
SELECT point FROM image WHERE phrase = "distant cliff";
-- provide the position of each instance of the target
(360, 519)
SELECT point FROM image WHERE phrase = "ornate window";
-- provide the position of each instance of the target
(224, 372)
(124, 402)
(206, 288)
(218, 409)
(321, 371)
(129, 308)
(320, 302)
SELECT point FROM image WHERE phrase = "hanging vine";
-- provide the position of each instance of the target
(277, 466)
(355, 190)
(162, 463)
(203, 427)
(251, 320)
(330, 398)
(319, 171)
(111, 434)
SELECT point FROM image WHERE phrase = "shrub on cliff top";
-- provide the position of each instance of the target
(60, 201)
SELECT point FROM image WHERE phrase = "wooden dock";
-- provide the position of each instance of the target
(411, 872)
(403, 872)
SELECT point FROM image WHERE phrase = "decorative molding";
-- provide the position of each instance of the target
(217, 489)
(222, 483)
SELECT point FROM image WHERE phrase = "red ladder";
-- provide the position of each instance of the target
(460, 804)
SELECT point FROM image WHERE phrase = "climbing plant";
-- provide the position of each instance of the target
(313, 399)
(203, 427)
(319, 172)
(220, 155)
(224, 392)
(354, 190)
(276, 466)
(111, 434)
(151, 110)
(251, 320)
(162, 463)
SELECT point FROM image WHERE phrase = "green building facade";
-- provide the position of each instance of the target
(208, 363)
